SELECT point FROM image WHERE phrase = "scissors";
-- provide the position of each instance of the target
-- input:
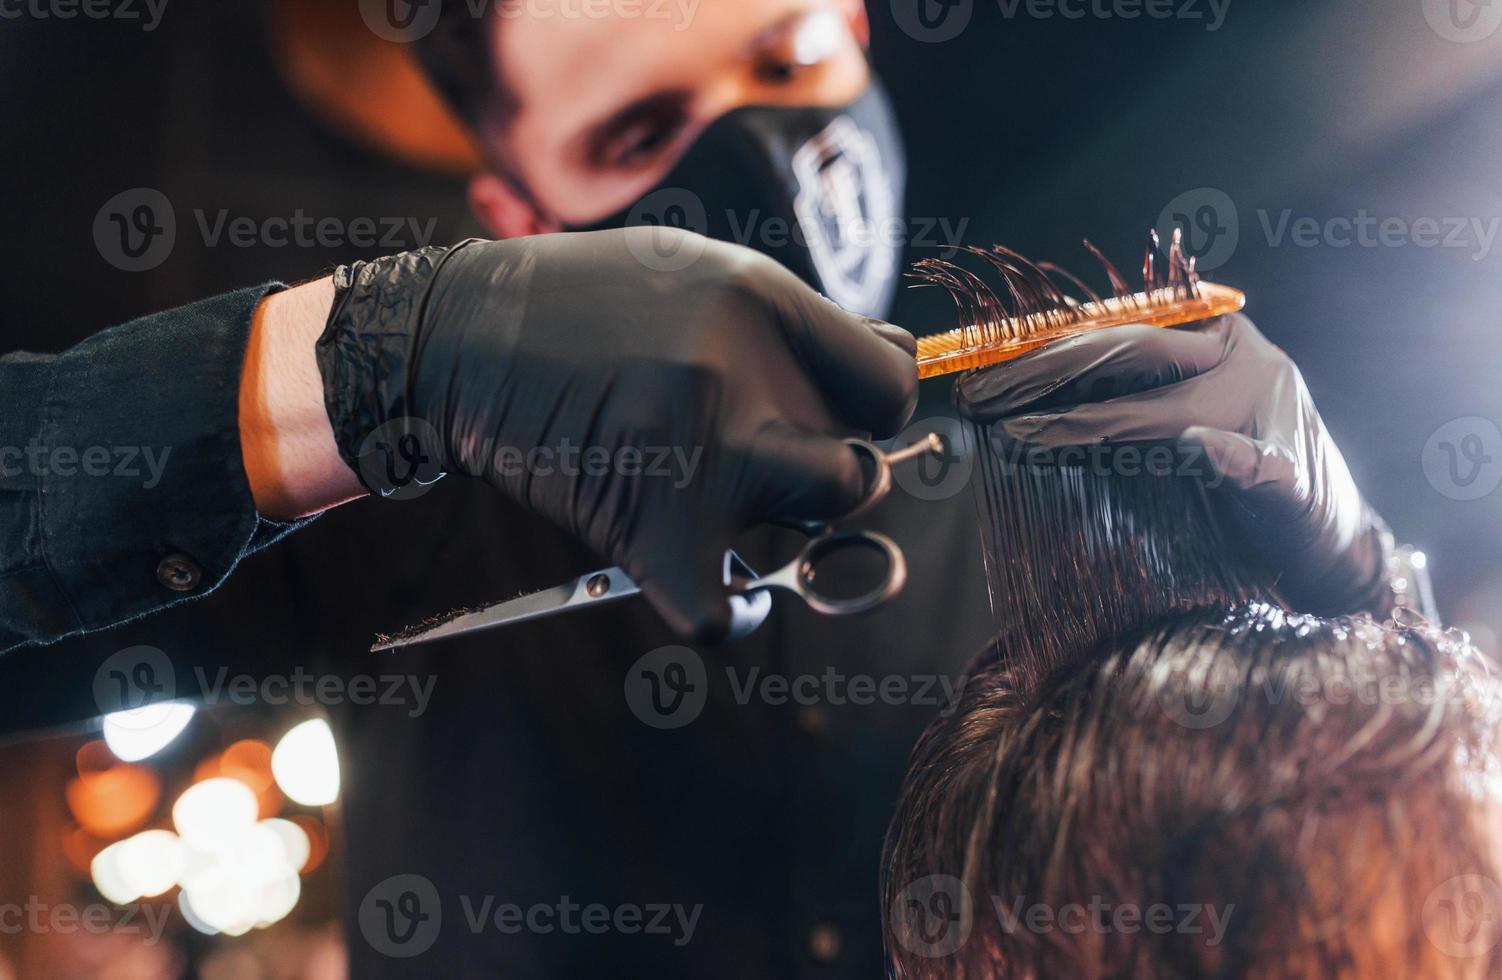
(751, 599)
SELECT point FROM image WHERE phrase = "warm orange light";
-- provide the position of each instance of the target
(110, 800)
(80, 846)
(207, 768)
(94, 756)
(249, 761)
(318, 840)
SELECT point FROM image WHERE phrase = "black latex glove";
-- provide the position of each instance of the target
(1237, 409)
(731, 366)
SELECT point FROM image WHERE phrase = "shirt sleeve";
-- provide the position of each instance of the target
(122, 489)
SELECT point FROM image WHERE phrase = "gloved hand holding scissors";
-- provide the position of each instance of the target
(1238, 410)
(648, 390)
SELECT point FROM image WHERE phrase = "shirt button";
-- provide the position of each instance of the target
(179, 573)
(825, 942)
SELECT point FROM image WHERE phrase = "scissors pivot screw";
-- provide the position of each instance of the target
(597, 585)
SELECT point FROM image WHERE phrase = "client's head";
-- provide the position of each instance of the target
(1225, 794)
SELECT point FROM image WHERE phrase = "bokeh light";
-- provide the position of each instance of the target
(140, 733)
(306, 765)
(109, 797)
(212, 814)
(151, 862)
(248, 883)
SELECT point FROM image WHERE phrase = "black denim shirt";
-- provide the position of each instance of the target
(122, 490)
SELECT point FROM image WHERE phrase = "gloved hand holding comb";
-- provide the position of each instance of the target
(1242, 419)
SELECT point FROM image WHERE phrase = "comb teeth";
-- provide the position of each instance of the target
(1032, 310)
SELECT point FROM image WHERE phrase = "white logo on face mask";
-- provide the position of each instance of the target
(845, 207)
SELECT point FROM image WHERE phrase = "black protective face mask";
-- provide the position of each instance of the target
(819, 189)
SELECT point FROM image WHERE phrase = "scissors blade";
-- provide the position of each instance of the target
(605, 585)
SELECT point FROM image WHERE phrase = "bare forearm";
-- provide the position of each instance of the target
(290, 457)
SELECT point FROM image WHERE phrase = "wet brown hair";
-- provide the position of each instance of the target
(1314, 786)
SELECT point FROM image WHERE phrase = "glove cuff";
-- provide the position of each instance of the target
(367, 357)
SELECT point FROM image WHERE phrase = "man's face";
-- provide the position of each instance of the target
(603, 106)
